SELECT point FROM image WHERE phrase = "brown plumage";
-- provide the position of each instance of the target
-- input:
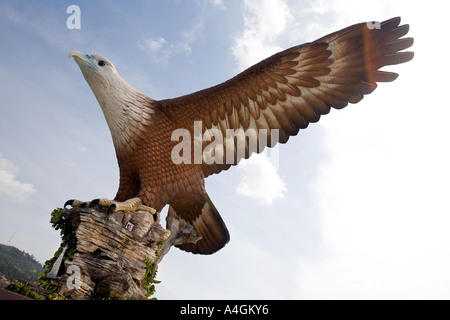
(286, 92)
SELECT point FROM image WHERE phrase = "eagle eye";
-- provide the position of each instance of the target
(101, 63)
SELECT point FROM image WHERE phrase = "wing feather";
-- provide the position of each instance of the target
(293, 88)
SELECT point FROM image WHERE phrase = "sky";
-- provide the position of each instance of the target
(354, 207)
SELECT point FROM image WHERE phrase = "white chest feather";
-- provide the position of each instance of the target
(127, 112)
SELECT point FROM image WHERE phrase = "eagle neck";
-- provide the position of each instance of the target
(128, 114)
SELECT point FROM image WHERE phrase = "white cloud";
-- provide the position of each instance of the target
(161, 50)
(346, 10)
(155, 45)
(218, 4)
(264, 21)
(9, 185)
(157, 48)
(382, 192)
(260, 180)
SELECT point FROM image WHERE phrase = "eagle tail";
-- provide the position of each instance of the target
(208, 225)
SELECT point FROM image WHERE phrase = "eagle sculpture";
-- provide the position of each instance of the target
(282, 94)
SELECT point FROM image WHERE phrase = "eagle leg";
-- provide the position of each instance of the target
(133, 204)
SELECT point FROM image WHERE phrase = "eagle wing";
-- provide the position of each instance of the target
(291, 89)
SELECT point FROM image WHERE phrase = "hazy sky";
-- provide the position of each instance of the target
(356, 206)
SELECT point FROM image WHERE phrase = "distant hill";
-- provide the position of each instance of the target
(18, 263)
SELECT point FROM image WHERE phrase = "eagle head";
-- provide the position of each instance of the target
(123, 106)
(99, 72)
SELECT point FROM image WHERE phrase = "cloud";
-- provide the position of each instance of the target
(9, 185)
(260, 180)
(382, 192)
(155, 45)
(218, 4)
(161, 50)
(264, 21)
(158, 49)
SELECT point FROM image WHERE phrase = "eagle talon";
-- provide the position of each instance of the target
(94, 203)
(75, 203)
(69, 203)
(112, 208)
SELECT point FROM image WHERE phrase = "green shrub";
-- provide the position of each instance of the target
(23, 289)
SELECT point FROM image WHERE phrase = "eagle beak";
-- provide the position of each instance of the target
(84, 60)
(75, 53)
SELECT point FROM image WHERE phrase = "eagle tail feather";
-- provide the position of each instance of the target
(208, 225)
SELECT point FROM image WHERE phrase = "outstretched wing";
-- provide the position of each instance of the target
(289, 90)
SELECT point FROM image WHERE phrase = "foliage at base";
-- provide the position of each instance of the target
(148, 282)
(23, 289)
(68, 239)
